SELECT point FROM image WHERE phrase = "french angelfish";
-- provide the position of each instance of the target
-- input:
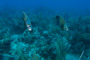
(61, 23)
(27, 22)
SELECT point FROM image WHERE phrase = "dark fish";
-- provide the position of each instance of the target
(27, 22)
(61, 23)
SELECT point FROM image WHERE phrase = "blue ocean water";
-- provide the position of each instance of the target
(44, 29)
(72, 5)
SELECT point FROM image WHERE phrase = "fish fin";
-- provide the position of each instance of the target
(25, 16)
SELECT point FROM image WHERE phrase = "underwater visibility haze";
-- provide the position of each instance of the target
(44, 29)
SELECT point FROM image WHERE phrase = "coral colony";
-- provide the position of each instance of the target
(39, 36)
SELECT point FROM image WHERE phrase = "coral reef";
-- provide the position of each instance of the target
(47, 41)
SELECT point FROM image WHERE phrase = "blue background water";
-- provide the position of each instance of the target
(67, 5)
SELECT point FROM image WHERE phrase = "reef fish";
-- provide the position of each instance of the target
(61, 23)
(27, 22)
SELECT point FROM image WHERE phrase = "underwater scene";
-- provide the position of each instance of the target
(44, 29)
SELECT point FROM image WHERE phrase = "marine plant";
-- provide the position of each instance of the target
(61, 54)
